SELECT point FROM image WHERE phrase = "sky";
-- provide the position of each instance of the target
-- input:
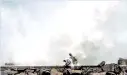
(44, 32)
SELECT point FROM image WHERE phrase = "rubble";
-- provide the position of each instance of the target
(100, 69)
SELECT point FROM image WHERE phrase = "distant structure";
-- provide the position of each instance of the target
(122, 61)
(9, 64)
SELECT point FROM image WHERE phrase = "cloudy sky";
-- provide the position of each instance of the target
(34, 32)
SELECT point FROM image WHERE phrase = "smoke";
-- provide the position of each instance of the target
(115, 28)
(44, 32)
(113, 43)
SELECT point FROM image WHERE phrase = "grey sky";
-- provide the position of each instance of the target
(16, 21)
(50, 28)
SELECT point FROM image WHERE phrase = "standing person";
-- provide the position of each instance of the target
(67, 63)
(74, 60)
(67, 67)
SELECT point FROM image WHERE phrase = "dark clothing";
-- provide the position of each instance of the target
(74, 60)
(67, 66)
